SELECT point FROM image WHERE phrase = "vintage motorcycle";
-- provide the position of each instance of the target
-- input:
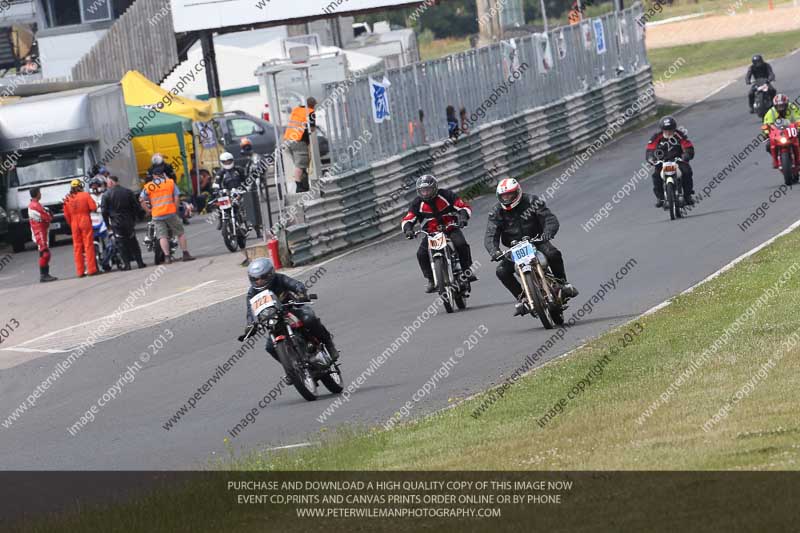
(784, 146)
(451, 281)
(106, 251)
(231, 221)
(674, 201)
(541, 289)
(304, 358)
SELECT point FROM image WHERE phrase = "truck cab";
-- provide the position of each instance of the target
(51, 170)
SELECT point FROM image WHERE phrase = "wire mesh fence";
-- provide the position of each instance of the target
(488, 83)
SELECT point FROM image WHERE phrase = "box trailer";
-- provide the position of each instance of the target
(50, 139)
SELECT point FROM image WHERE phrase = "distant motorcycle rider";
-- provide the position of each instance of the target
(518, 215)
(229, 176)
(159, 166)
(667, 145)
(263, 276)
(781, 108)
(759, 70)
(433, 207)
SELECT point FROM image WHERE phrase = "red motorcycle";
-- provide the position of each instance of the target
(784, 146)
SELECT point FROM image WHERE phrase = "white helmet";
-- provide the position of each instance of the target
(509, 193)
(157, 159)
(226, 160)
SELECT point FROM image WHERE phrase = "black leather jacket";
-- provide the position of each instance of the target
(763, 71)
(530, 217)
(280, 285)
(230, 179)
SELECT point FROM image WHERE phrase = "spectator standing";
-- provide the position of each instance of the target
(40, 218)
(453, 130)
(120, 209)
(297, 138)
(161, 198)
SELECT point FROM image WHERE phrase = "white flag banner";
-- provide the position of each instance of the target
(379, 94)
(561, 44)
(599, 36)
(544, 54)
(623, 30)
(586, 33)
(510, 56)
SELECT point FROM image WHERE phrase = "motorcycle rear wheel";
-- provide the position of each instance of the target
(538, 303)
(441, 283)
(298, 375)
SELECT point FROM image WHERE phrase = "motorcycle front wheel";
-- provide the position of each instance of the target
(538, 303)
(229, 236)
(298, 374)
(672, 202)
(441, 283)
(786, 168)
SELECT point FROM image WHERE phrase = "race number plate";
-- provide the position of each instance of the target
(523, 252)
(259, 302)
(437, 241)
(224, 201)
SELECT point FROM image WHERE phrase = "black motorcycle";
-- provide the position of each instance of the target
(304, 358)
(762, 101)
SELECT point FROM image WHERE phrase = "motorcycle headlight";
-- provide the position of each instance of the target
(784, 140)
(13, 216)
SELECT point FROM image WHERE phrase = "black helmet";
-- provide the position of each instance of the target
(668, 123)
(427, 187)
(757, 59)
(261, 271)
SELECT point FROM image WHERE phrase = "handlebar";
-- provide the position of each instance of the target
(537, 238)
(439, 229)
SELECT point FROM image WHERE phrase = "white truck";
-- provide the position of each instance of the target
(49, 139)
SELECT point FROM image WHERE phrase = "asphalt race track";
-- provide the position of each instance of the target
(368, 297)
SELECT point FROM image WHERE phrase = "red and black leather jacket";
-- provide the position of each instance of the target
(430, 213)
(677, 146)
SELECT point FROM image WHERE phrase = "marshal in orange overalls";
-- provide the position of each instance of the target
(77, 209)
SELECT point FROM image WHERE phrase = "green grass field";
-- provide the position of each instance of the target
(711, 56)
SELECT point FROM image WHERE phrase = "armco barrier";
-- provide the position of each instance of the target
(366, 203)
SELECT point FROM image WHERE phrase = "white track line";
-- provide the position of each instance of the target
(86, 323)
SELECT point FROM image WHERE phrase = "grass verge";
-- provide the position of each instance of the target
(711, 56)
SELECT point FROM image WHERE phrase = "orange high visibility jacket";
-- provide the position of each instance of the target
(297, 123)
(162, 197)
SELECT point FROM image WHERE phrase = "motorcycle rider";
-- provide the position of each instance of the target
(40, 219)
(759, 69)
(97, 188)
(432, 207)
(120, 208)
(229, 176)
(674, 144)
(263, 276)
(518, 215)
(159, 166)
(781, 108)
